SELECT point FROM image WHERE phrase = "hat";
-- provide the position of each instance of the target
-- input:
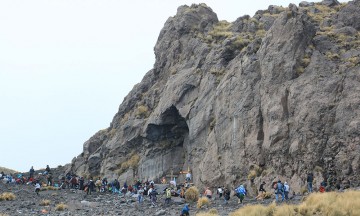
(264, 182)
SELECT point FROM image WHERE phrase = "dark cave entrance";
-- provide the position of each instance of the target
(166, 139)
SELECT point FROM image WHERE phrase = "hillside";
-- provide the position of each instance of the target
(271, 96)
(7, 171)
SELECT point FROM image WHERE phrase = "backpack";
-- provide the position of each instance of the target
(168, 193)
(280, 187)
(240, 190)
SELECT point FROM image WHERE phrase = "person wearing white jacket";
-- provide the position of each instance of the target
(286, 190)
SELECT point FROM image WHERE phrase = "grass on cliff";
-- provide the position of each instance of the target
(347, 203)
(132, 162)
(7, 171)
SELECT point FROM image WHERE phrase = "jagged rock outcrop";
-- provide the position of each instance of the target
(272, 96)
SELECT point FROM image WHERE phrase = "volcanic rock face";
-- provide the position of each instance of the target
(272, 96)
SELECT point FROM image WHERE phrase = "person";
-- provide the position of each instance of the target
(31, 172)
(81, 183)
(309, 180)
(49, 179)
(98, 184)
(48, 170)
(140, 195)
(91, 186)
(163, 180)
(37, 188)
(153, 197)
(188, 176)
(182, 192)
(208, 193)
(185, 211)
(279, 190)
(286, 190)
(167, 196)
(240, 192)
(261, 189)
(219, 191)
(226, 195)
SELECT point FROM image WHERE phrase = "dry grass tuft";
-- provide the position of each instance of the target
(142, 112)
(49, 188)
(2, 214)
(45, 202)
(255, 210)
(221, 31)
(211, 212)
(61, 207)
(347, 203)
(192, 194)
(7, 196)
(203, 201)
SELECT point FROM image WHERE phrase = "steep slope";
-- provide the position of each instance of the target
(272, 96)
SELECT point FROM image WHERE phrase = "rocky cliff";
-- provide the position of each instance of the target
(275, 95)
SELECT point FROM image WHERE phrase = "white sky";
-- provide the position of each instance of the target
(66, 65)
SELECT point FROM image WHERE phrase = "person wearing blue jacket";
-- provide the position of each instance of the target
(185, 211)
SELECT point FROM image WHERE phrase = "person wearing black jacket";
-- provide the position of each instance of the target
(309, 180)
(261, 189)
(226, 195)
(91, 187)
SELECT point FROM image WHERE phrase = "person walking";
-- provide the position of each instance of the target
(240, 192)
(208, 193)
(185, 211)
(91, 187)
(226, 195)
(286, 190)
(167, 196)
(37, 188)
(309, 180)
(279, 190)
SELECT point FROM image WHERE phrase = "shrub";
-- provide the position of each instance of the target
(332, 56)
(61, 207)
(240, 42)
(252, 174)
(7, 196)
(318, 169)
(221, 31)
(45, 202)
(192, 194)
(213, 211)
(142, 111)
(252, 210)
(203, 201)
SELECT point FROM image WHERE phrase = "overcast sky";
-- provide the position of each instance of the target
(66, 65)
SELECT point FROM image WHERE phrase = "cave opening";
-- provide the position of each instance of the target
(167, 153)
